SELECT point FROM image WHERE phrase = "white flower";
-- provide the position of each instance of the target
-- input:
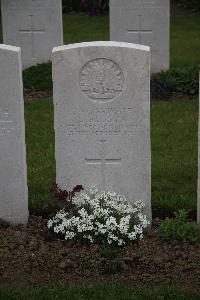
(69, 235)
(120, 242)
(102, 215)
(93, 190)
(49, 223)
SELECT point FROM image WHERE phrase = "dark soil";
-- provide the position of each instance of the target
(32, 94)
(28, 258)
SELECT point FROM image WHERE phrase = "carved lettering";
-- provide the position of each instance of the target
(103, 121)
(6, 124)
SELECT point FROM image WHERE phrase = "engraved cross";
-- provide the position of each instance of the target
(102, 161)
(32, 31)
(140, 29)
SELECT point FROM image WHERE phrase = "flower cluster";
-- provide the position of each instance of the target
(101, 217)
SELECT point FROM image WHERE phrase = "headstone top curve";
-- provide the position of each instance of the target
(101, 44)
(10, 48)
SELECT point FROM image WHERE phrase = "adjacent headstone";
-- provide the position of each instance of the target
(145, 22)
(13, 174)
(198, 192)
(102, 118)
(33, 25)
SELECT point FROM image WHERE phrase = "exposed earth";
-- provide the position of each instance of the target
(28, 257)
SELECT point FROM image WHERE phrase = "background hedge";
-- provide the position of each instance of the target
(102, 6)
(190, 4)
(176, 81)
(94, 7)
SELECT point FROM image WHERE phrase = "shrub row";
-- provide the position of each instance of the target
(99, 6)
(179, 228)
(92, 6)
(177, 81)
(181, 81)
(190, 4)
(38, 78)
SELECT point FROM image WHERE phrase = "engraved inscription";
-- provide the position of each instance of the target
(6, 124)
(101, 79)
(103, 121)
(103, 161)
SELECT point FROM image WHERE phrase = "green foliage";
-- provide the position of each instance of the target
(109, 252)
(110, 262)
(94, 7)
(38, 78)
(181, 81)
(72, 5)
(178, 228)
(190, 4)
(162, 85)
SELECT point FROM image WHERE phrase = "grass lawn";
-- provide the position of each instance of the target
(40, 150)
(185, 41)
(174, 152)
(97, 292)
(185, 32)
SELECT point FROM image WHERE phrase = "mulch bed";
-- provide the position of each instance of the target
(32, 94)
(28, 258)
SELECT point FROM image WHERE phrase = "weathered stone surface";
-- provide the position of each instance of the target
(102, 118)
(145, 22)
(33, 25)
(13, 174)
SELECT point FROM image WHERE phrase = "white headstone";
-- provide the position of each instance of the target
(145, 22)
(13, 174)
(102, 118)
(33, 25)
(198, 192)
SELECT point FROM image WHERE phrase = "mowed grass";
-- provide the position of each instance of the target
(97, 292)
(185, 41)
(40, 146)
(185, 32)
(174, 153)
(85, 28)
